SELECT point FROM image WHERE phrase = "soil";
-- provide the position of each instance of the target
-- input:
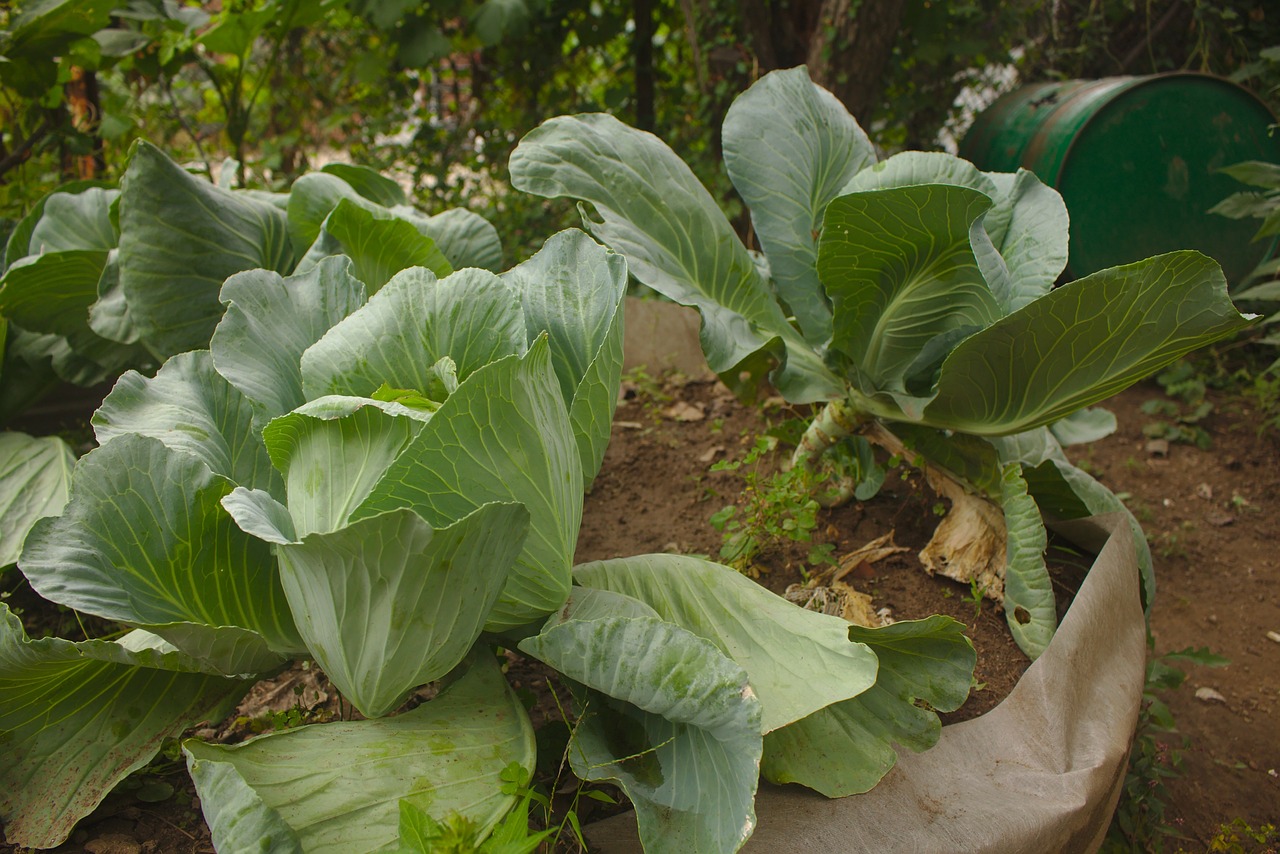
(1213, 518)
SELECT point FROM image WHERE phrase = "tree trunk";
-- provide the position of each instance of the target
(86, 116)
(850, 49)
(642, 10)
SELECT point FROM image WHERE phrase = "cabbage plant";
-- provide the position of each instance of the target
(98, 279)
(914, 297)
(390, 485)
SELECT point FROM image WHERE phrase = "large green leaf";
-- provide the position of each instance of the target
(311, 199)
(369, 183)
(1028, 226)
(1083, 343)
(1064, 492)
(916, 168)
(35, 475)
(378, 242)
(670, 719)
(466, 239)
(52, 293)
(675, 239)
(332, 454)
(925, 667)
(270, 322)
(180, 238)
(901, 274)
(790, 146)
(19, 242)
(189, 407)
(75, 221)
(472, 317)
(798, 661)
(144, 540)
(77, 718)
(1029, 605)
(573, 290)
(502, 436)
(338, 786)
(387, 604)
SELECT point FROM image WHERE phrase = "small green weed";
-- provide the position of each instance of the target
(977, 592)
(1139, 822)
(1238, 837)
(1178, 418)
(772, 508)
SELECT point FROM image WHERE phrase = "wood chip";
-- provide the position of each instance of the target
(1158, 447)
(684, 411)
(710, 453)
(1209, 695)
(628, 425)
(1275, 636)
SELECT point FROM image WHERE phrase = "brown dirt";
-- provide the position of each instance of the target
(1217, 565)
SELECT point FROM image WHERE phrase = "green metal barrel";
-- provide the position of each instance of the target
(1135, 158)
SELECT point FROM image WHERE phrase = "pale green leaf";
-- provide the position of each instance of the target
(144, 540)
(798, 661)
(472, 317)
(901, 273)
(35, 475)
(847, 748)
(675, 239)
(189, 407)
(1084, 426)
(790, 146)
(311, 199)
(1029, 605)
(387, 604)
(369, 183)
(270, 322)
(77, 718)
(379, 244)
(338, 786)
(180, 238)
(332, 454)
(466, 239)
(573, 290)
(670, 719)
(75, 221)
(1028, 226)
(502, 436)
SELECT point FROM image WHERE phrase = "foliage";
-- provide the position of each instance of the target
(96, 280)
(1259, 290)
(1238, 837)
(380, 467)
(780, 505)
(1138, 823)
(1186, 385)
(915, 295)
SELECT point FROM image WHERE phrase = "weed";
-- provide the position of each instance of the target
(1238, 837)
(977, 592)
(772, 508)
(1178, 418)
(1139, 822)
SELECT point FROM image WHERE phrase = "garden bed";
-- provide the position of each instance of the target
(1210, 516)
